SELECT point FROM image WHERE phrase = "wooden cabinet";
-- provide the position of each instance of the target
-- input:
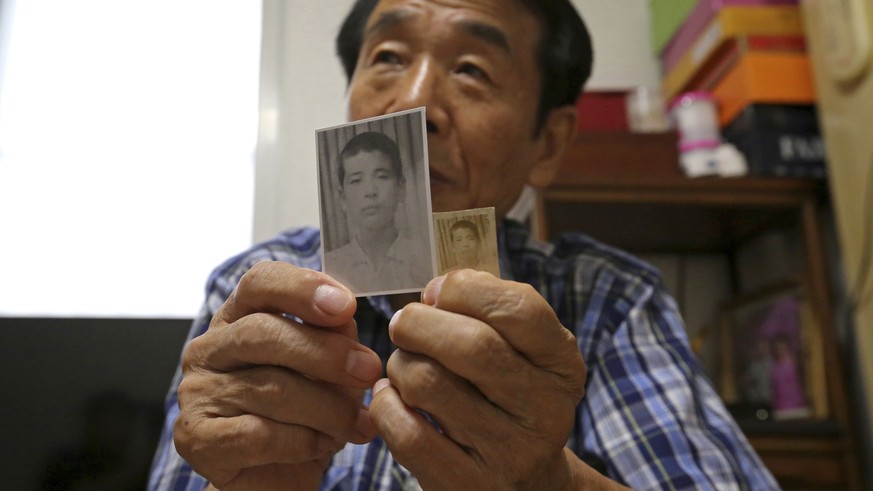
(648, 206)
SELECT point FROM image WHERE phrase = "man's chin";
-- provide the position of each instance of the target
(375, 223)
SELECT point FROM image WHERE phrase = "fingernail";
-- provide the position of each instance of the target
(432, 291)
(380, 384)
(360, 365)
(392, 322)
(331, 299)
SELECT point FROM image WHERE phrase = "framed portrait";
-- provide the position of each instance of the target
(374, 204)
(771, 359)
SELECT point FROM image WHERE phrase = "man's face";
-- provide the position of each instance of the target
(473, 65)
(465, 244)
(371, 190)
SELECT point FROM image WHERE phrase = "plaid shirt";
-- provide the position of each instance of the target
(650, 418)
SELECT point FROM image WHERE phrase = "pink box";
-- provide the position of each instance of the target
(697, 21)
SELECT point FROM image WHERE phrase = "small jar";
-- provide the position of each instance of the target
(646, 111)
(696, 119)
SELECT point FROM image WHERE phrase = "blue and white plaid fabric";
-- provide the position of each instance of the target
(650, 418)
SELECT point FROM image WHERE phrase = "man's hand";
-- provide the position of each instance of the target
(265, 401)
(489, 361)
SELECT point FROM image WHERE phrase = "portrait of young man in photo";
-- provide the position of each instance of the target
(377, 256)
(572, 370)
(465, 244)
(466, 240)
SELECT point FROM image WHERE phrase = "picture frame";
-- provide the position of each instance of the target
(771, 362)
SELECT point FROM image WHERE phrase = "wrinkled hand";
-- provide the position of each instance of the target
(489, 361)
(265, 401)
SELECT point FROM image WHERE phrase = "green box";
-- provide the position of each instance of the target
(667, 16)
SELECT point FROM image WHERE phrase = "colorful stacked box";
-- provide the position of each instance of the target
(667, 18)
(751, 55)
(714, 22)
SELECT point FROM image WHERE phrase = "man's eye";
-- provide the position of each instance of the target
(472, 70)
(388, 57)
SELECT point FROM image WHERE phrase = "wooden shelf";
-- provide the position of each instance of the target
(643, 204)
(702, 215)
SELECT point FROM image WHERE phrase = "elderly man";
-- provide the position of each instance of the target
(485, 383)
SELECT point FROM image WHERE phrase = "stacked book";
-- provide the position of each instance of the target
(751, 55)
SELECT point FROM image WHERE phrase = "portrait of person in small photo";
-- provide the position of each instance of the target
(465, 244)
(375, 204)
(467, 240)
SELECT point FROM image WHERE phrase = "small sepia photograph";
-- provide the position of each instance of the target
(467, 239)
(769, 345)
(374, 203)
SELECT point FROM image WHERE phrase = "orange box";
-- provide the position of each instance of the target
(764, 77)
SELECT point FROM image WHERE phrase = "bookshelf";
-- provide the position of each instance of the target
(626, 190)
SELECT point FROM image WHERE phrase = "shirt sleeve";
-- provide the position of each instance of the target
(650, 415)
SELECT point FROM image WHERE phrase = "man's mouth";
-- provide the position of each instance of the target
(370, 210)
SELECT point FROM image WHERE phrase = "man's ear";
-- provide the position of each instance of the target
(556, 136)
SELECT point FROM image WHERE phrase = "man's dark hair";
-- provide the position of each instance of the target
(564, 54)
(464, 224)
(371, 141)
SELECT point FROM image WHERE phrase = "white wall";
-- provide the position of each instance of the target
(303, 89)
(127, 132)
(620, 33)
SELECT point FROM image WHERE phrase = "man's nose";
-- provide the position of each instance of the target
(423, 85)
(371, 190)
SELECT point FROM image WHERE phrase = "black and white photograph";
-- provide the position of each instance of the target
(375, 204)
(467, 239)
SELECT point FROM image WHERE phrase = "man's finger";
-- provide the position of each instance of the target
(516, 311)
(437, 462)
(457, 406)
(277, 287)
(281, 395)
(247, 441)
(472, 350)
(270, 339)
